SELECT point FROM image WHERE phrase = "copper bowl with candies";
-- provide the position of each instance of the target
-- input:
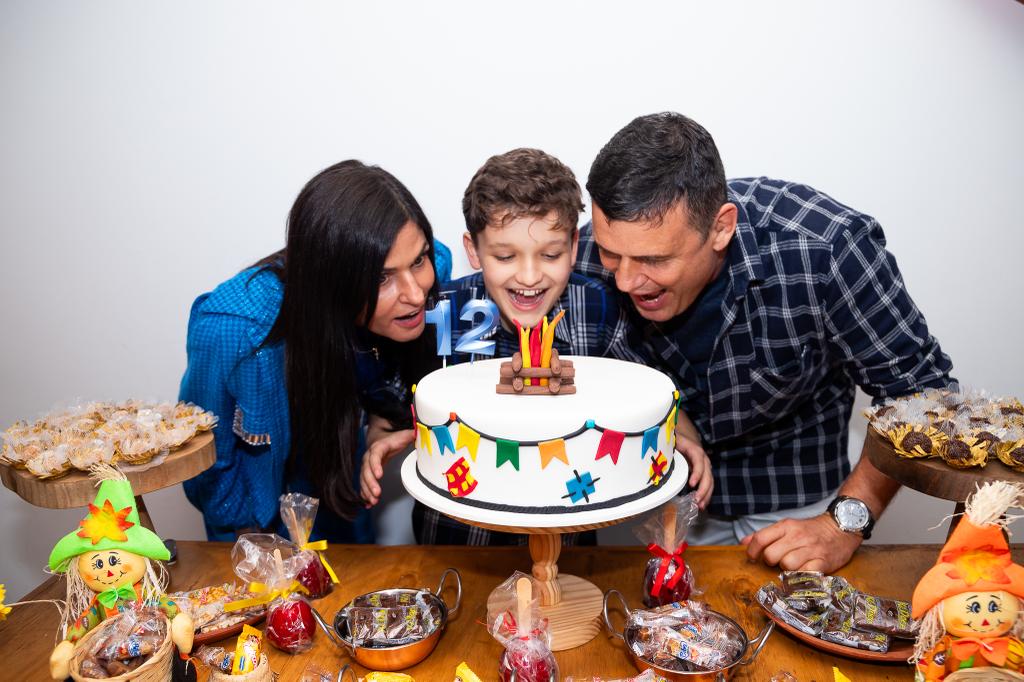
(686, 641)
(393, 629)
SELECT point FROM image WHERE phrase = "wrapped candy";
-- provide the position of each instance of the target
(217, 658)
(685, 637)
(392, 619)
(667, 577)
(297, 513)
(124, 643)
(521, 628)
(270, 565)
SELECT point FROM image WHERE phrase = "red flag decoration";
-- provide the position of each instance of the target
(611, 443)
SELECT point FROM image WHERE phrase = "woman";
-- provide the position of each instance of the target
(292, 353)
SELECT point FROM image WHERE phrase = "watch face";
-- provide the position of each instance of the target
(852, 515)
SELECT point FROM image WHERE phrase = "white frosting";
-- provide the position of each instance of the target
(616, 395)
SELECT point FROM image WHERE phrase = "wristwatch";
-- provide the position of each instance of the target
(852, 515)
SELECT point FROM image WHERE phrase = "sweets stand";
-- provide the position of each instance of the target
(76, 489)
(932, 476)
(572, 605)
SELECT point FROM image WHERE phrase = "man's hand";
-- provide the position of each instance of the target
(814, 544)
(700, 469)
(377, 455)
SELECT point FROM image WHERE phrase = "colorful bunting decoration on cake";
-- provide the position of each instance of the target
(659, 467)
(423, 438)
(444, 439)
(552, 449)
(611, 443)
(469, 439)
(580, 487)
(670, 424)
(650, 441)
(508, 451)
(460, 480)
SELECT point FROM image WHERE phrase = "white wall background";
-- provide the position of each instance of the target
(150, 151)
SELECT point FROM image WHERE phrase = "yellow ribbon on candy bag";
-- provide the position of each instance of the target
(271, 595)
(319, 547)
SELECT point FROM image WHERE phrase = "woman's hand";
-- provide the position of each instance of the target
(380, 451)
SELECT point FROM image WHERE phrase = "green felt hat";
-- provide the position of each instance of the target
(112, 523)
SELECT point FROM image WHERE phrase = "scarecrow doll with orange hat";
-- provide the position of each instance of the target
(970, 602)
(109, 568)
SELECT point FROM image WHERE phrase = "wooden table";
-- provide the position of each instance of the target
(729, 580)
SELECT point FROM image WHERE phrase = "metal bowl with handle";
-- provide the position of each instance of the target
(399, 657)
(749, 650)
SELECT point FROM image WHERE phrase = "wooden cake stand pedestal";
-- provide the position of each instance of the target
(76, 489)
(932, 476)
(571, 604)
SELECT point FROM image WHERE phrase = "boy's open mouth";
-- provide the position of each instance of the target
(526, 299)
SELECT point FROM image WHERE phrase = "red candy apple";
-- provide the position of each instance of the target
(531, 661)
(290, 625)
(315, 578)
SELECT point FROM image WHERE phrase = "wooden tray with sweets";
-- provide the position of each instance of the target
(900, 650)
(230, 631)
(76, 489)
(932, 476)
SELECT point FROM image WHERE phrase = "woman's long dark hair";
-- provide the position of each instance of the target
(340, 230)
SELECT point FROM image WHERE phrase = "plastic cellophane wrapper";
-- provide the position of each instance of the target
(646, 676)
(205, 605)
(215, 657)
(527, 645)
(298, 512)
(685, 637)
(87, 434)
(124, 642)
(667, 576)
(254, 561)
(392, 620)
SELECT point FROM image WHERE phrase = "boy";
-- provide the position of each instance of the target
(521, 210)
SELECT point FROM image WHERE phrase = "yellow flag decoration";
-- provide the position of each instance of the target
(469, 439)
(552, 449)
(424, 438)
(670, 425)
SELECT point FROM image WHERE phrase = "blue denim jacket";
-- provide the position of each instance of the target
(233, 374)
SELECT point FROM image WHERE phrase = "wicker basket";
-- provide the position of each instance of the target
(262, 673)
(156, 669)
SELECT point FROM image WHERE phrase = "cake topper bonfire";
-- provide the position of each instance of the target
(536, 368)
(970, 602)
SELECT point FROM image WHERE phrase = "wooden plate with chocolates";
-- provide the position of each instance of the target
(900, 650)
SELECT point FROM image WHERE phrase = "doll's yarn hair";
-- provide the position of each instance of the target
(78, 596)
(933, 629)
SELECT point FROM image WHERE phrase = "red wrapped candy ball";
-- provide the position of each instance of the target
(531, 661)
(671, 589)
(290, 625)
(315, 578)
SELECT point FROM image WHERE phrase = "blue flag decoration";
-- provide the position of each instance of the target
(581, 487)
(650, 441)
(444, 438)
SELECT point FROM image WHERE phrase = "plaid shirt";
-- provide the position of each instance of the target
(815, 306)
(592, 326)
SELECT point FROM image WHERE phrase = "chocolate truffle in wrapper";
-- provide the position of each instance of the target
(879, 614)
(839, 629)
(964, 453)
(1011, 454)
(773, 599)
(916, 441)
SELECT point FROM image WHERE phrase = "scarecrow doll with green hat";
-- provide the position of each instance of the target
(109, 568)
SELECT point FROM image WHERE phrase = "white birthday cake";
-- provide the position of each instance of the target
(607, 444)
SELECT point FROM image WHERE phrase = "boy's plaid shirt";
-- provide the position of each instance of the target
(815, 306)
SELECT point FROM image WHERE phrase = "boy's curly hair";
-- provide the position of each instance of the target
(521, 183)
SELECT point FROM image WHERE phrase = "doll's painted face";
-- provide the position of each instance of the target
(110, 568)
(980, 614)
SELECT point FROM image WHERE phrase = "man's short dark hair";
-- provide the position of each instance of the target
(654, 162)
(522, 183)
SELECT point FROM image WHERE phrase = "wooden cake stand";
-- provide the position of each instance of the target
(571, 604)
(76, 489)
(932, 476)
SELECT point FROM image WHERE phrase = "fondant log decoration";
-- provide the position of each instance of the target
(560, 377)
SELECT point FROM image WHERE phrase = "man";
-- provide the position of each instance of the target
(768, 302)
